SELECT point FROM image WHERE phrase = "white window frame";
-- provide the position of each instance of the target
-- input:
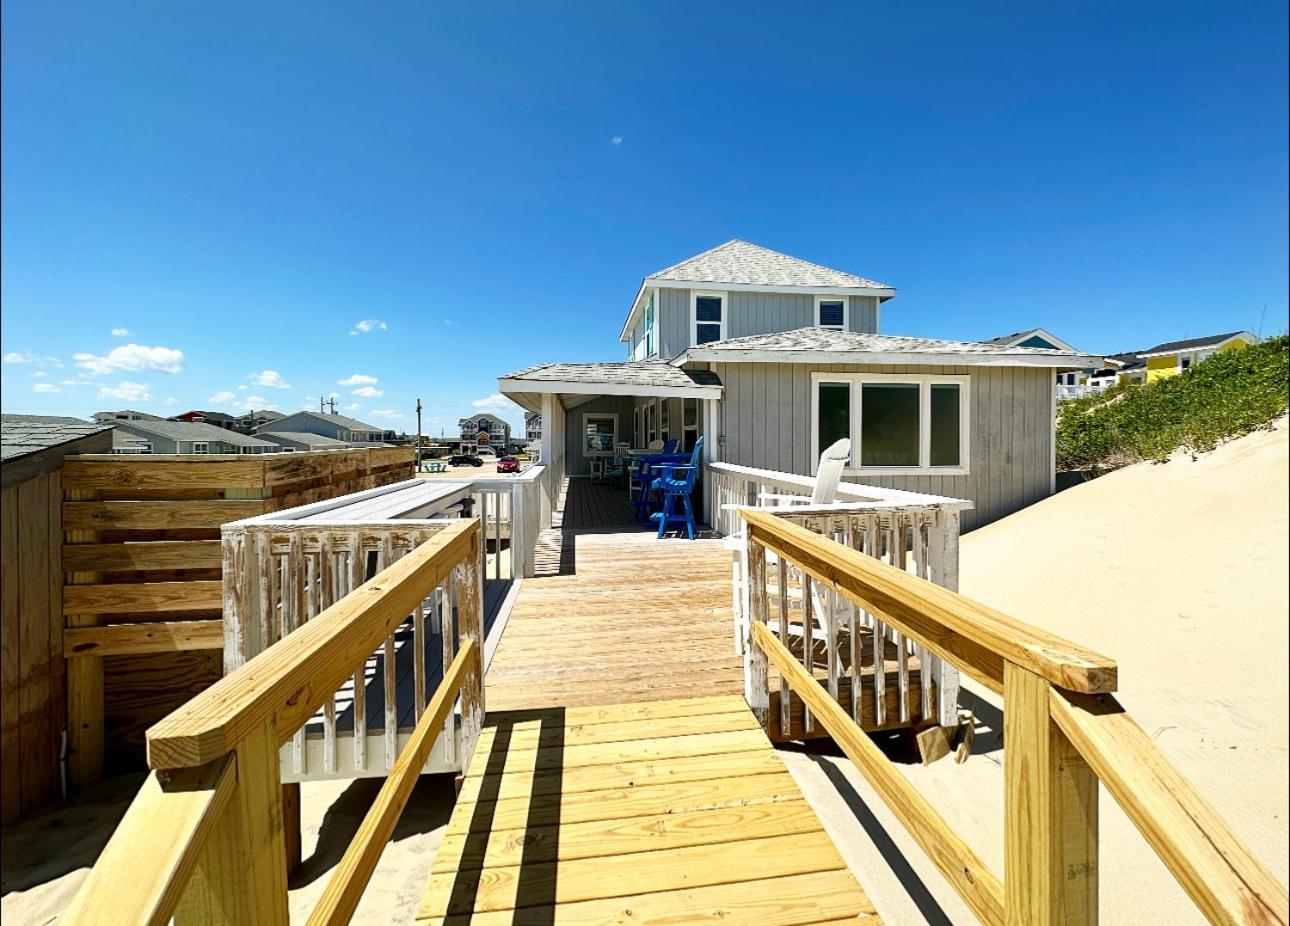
(695, 295)
(613, 443)
(924, 381)
(205, 445)
(846, 312)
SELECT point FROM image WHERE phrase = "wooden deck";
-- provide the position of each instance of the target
(673, 811)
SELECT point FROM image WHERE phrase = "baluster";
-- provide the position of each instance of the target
(757, 685)
(446, 629)
(385, 558)
(808, 643)
(269, 618)
(325, 590)
(899, 560)
(785, 695)
(354, 577)
(470, 615)
(873, 544)
(419, 656)
(293, 615)
(853, 538)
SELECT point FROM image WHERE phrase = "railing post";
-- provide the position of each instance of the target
(756, 680)
(1050, 812)
(470, 616)
(241, 876)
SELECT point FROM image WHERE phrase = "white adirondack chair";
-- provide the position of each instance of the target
(828, 474)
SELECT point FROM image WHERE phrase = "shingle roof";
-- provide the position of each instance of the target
(24, 434)
(193, 431)
(1170, 347)
(745, 263)
(344, 421)
(304, 437)
(833, 341)
(629, 373)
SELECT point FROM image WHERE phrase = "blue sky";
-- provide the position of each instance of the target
(236, 186)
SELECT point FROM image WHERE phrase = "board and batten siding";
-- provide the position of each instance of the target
(753, 313)
(766, 420)
(576, 463)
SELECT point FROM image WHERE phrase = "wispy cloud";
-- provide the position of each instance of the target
(133, 358)
(126, 391)
(496, 400)
(358, 379)
(170, 402)
(368, 392)
(120, 332)
(23, 357)
(385, 413)
(223, 396)
(37, 374)
(45, 388)
(368, 325)
(616, 141)
(269, 378)
(353, 407)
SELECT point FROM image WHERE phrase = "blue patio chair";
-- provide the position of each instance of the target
(642, 477)
(675, 482)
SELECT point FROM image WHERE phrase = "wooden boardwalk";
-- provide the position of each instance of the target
(621, 777)
(674, 811)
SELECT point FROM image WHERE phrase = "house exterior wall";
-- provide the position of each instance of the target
(576, 462)
(308, 424)
(749, 314)
(1168, 365)
(159, 444)
(766, 422)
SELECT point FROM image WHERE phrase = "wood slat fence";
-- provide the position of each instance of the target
(142, 576)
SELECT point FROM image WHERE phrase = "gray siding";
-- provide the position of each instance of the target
(299, 421)
(766, 419)
(576, 464)
(755, 313)
(159, 444)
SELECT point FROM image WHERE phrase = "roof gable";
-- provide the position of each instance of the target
(1035, 337)
(749, 264)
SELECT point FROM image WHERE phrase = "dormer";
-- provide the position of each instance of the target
(741, 289)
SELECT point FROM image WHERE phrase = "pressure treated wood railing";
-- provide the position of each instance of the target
(203, 840)
(1063, 733)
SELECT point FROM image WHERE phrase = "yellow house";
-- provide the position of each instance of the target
(1174, 357)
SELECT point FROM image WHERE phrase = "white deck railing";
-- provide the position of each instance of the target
(913, 531)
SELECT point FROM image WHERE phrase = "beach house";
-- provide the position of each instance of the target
(324, 424)
(774, 358)
(1174, 357)
(484, 431)
(184, 437)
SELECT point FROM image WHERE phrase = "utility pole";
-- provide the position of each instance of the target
(320, 405)
(418, 434)
(332, 403)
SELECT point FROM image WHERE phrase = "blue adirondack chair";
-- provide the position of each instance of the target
(643, 474)
(675, 483)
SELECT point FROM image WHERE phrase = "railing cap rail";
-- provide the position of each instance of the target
(877, 494)
(287, 682)
(970, 635)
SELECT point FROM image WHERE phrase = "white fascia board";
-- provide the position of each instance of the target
(633, 312)
(1046, 335)
(1081, 362)
(1214, 345)
(521, 386)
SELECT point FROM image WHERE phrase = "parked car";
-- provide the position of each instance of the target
(465, 459)
(508, 465)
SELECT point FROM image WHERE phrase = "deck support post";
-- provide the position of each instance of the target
(1050, 813)
(756, 679)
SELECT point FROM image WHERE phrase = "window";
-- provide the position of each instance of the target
(830, 313)
(201, 446)
(707, 317)
(600, 433)
(897, 423)
(649, 326)
(1184, 362)
(689, 424)
(665, 420)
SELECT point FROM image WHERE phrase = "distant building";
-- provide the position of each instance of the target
(184, 437)
(303, 440)
(219, 419)
(1035, 337)
(338, 427)
(252, 420)
(126, 414)
(484, 431)
(1174, 357)
(532, 427)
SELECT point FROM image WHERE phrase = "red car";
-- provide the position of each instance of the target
(508, 465)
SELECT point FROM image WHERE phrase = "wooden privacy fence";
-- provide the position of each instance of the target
(204, 840)
(1063, 734)
(142, 575)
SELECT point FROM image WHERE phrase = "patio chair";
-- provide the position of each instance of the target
(828, 475)
(642, 475)
(675, 482)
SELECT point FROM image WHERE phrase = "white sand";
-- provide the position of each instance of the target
(1177, 571)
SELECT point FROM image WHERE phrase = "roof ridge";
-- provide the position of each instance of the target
(695, 257)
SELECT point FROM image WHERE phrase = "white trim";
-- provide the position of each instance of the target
(507, 386)
(612, 444)
(855, 425)
(1245, 336)
(696, 354)
(846, 312)
(695, 296)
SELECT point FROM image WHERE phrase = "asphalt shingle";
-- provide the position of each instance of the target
(749, 264)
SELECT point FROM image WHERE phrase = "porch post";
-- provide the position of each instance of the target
(711, 454)
(551, 494)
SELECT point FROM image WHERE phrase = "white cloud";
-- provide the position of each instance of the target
(133, 358)
(252, 402)
(369, 392)
(38, 374)
(353, 407)
(367, 325)
(616, 140)
(126, 390)
(171, 401)
(358, 379)
(496, 400)
(270, 378)
(385, 413)
(23, 357)
(120, 332)
(45, 387)
(223, 396)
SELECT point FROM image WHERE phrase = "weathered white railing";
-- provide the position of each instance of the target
(916, 532)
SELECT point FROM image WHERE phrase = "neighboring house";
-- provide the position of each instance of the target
(532, 427)
(484, 430)
(126, 414)
(1174, 357)
(219, 419)
(1035, 337)
(1071, 384)
(774, 358)
(184, 437)
(252, 420)
(338, 427)
(302, 440)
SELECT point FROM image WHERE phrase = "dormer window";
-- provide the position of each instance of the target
(707, 317)
(830, 313)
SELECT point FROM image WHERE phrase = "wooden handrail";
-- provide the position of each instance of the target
(1197, 846)
(144, 869)
(970, 635)
(288, 682)
(341, 896)
(971, 877)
